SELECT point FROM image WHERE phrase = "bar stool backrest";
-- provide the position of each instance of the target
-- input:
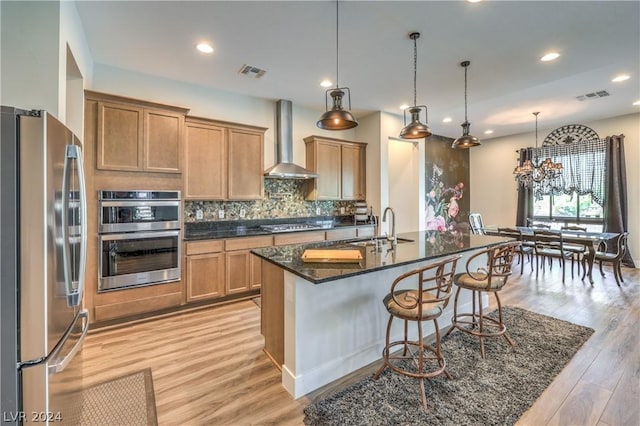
(434, 284)
(498, 266)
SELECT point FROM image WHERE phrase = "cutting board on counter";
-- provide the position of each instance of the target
(332, 256)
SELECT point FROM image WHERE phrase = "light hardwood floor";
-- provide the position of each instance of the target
(209, 369)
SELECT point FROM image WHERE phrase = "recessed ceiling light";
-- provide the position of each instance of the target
(326, 83)
(550, 56)
(488, 132)
(474, 1)
(446, 120)
(404, 106)
(636, 103)
(204, 47)
(619, 78)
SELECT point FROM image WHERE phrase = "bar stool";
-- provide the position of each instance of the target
(418, 295)
(490, 279)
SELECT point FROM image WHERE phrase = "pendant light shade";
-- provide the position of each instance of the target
(415, 129)
(337, 118)
(466, 140)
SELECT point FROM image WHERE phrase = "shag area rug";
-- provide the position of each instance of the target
(492, 391)
(125, 400)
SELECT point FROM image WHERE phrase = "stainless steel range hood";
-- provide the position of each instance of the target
(284, 167)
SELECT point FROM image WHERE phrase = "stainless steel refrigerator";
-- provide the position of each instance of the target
(43, 237)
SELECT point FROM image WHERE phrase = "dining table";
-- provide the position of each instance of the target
(590, 241)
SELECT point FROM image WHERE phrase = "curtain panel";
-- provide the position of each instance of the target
(616, 202)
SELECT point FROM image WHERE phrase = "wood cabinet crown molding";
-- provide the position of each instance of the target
(325, 138)
(100, 96)
(228, 124)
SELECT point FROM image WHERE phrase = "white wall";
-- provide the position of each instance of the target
(404, 189)
(493, 189)
(36, 38)
(29, 55)
(368, 131)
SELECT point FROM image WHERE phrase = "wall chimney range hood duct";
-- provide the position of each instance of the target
(284, 168)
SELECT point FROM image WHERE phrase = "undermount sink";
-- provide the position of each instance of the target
(377, 241)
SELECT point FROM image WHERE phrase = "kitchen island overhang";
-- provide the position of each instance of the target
(322, 321)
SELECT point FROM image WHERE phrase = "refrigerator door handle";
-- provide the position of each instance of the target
(62, 364)
(74, 296)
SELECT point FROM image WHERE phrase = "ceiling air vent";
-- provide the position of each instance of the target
(251, 71)
(593, 95)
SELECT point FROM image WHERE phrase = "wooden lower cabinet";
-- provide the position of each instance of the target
(238, 266)
(244, 270)
(205, 276)
(205, 269)
(217, 268)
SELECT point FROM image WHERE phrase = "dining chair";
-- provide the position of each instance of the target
(525, 248)
(578, 250)
(418, 295)
(475, 221)
(614, 258)
(489, 278)
(550, 245)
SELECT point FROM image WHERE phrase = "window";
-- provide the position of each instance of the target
(579, 199)
(563, 210)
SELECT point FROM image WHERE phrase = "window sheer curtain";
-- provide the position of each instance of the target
(583, 173)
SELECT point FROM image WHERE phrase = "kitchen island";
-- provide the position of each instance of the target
(323, 320)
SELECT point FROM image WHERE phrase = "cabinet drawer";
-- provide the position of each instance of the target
(206, 246)
(298, 237)
(247, 243)
(341, 234)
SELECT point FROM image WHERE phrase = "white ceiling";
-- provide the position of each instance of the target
(295, 43)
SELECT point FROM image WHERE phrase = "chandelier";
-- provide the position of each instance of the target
(546, 173)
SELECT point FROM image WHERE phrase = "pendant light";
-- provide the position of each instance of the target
(466, 140)
(546, 174)
(415, 129)
(337, 118)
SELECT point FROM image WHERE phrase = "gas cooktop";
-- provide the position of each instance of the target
(290, 227)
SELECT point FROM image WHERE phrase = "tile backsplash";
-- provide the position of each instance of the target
(282, 198)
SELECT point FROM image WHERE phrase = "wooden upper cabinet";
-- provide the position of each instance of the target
(162, 141)
(353, 172)
(120, 129)
(223, 161)
(246, 164)
(341, 166)
(205, 161)
(138, 136)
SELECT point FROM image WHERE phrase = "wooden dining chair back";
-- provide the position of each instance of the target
(615, 258)
(475, 221)
(490, 278)
(525, 249)
(418, 295)
(579, 251)
(550, 245)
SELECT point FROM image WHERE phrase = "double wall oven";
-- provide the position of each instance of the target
(139, 238)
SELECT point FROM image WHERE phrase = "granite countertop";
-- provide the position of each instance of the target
(412, 247)
(194, 231)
